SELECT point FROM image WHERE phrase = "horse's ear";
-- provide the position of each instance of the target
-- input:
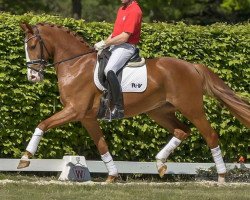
(26, 27)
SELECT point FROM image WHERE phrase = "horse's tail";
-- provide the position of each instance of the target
(215, 86)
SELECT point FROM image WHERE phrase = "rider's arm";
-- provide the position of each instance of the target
(119, 39)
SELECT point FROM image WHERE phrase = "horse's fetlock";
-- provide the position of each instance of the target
(213, 139)
(42, 126)
(180, 134)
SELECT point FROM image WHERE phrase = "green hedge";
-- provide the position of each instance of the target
(224, 48)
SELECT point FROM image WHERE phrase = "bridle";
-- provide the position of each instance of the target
(41, 61)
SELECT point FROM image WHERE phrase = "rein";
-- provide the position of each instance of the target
(68, 59)
(44, 63)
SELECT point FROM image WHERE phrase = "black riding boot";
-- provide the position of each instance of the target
(117, 96)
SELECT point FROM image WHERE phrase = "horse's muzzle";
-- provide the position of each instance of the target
(34, 76)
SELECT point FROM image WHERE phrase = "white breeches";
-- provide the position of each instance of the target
(120, 54)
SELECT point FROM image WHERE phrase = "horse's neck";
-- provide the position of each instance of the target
(65, 45)
(67, 48)
(73, 74)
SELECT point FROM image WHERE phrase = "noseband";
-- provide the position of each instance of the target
(41, 61)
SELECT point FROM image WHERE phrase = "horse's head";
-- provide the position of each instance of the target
(37, 53)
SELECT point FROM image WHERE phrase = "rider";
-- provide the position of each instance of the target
(121, 43)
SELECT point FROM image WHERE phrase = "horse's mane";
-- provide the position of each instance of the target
(65, 29)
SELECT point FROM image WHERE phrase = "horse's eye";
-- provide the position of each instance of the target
(32, 46)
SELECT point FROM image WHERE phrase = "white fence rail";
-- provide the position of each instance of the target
(57, 165)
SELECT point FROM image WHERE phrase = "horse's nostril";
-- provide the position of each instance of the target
(32, 77)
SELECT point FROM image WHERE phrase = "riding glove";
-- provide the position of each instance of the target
(100, 45)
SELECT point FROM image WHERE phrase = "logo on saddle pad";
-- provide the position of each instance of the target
(136, 85)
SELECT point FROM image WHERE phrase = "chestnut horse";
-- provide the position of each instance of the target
(173, 85)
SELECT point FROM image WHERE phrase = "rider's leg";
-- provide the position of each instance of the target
(120, 54)
(117, 96)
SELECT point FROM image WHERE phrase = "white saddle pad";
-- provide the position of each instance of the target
(132, 79)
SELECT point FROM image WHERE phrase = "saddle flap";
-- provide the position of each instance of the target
(103, 58)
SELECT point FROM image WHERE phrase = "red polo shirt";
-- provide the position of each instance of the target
(129, 20)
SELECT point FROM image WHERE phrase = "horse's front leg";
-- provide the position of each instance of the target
(93, 128)
(68, 114)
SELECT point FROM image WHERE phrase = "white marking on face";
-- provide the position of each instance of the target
(26, 52)
(32, 75)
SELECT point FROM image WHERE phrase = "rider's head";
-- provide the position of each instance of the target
(126, 2)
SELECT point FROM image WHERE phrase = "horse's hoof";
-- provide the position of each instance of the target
(23, 163)
(221, 178)
(111, 179)
(161, 167)
(162, 170)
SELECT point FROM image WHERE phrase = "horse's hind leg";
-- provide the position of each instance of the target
(197, 116)
(168, 120)
(93, 128)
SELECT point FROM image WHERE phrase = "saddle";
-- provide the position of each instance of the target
(103, 57)
(134, 61)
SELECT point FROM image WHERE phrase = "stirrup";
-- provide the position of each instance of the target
(117, 113)
(108, 116)
(114, 114)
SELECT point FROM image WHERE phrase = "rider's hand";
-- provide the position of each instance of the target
(100, 45)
